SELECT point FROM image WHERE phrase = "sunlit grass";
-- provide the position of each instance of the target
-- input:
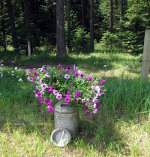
(122, 128)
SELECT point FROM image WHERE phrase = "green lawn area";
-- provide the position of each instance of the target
(121, 128)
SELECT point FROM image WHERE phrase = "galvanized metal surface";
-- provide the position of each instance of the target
(65, 116)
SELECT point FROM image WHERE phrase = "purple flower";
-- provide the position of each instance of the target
(39, 94)
(59, 96)
(90, 78)
(76, 73)
(82, 75)
(95, 100)
(77, 94)
(88, 113)
(67, 100)
(50, 89)
(50, 109)
(55, 92)
(35, 73)
(46, 101)
(60, 65)
(102, 82)
(85, 108)
(41, 100)
(28, 71)
(67, 76)
(50, 103)
(75, 100)
(68, 67)
(47, 75)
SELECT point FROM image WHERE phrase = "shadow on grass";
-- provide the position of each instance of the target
(87, 61)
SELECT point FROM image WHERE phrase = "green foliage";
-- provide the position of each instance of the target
(80, 40)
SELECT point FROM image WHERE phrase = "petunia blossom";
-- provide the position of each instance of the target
(67, 100)
(59, 96)
(50, 109)
(90, 78)
(77, 94)
(102, 82)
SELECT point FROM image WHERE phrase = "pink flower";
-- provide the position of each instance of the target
(67, 100)
(28, 78)
(76, 73)
(55, 92)
(28, 71)
(75, 100)
(41, 100)
(50, 109)
(90, 78)
(68, 93)
(50, 89)
(54, 85)
(33, 79)
(71, 85)
(50, 103)
(83, 101)
(77, 94)
(59, 96)
(102, 82)
(44, 86)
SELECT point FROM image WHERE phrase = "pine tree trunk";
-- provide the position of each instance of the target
(27, 24)
(83, 14)
(12, 24)
(121, 9)
(91, 25)
(111, 16)
(61, 49)
(3, 26)
(68, 25)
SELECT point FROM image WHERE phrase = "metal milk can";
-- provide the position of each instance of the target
(65, 116)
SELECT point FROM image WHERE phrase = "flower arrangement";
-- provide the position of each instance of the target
(53, 84)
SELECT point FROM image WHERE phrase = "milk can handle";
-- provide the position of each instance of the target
(64, 105)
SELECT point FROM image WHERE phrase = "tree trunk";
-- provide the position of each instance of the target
(61, 49)
(12, 24)
(111, 16)
(121, 9)
(68, 25)
(27, 24)
(3, 26)
(83, 14)
(91, 25)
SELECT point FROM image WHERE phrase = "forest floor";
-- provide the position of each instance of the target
(122, 127)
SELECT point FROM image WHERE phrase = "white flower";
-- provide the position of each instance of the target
(15, 68)
(67, 76)
(20, 80)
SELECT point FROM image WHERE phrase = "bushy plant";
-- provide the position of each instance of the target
(68, 84)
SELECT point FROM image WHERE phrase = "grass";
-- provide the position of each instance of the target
(122, 128)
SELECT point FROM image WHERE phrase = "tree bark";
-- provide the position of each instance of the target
(83, 14)
(61, 49)
(27, 23)
(121, 8)
(68, 25)
(91, 25)
(12, 24)
(111, 16)
(3, 26)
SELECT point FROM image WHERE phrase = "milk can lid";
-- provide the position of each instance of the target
(63, 107)
(60, 137)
